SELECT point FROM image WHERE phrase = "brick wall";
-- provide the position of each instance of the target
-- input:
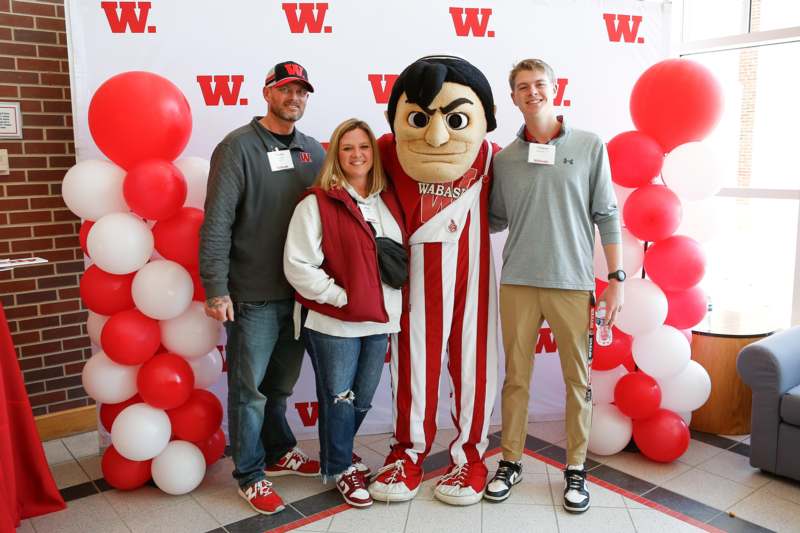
(45, 315)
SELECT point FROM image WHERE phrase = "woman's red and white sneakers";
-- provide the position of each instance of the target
(353, 489)
(262, 498)
(294, 462)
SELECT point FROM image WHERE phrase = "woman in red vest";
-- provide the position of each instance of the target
(335, 258)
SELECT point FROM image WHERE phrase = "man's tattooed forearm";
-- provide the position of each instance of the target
(216, 302)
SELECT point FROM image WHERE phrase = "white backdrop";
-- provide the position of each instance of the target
(218, 54)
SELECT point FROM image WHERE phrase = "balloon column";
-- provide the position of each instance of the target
(645, 384)
(158, 349)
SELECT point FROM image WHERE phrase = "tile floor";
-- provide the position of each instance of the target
(712, 487)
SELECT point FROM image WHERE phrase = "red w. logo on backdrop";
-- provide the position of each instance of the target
(382, 86)
(308, 412)
(561, 87)
(306, 16)
(223, 87)
(471, 20)
(546, 342)
(623, 27)
(131, 15)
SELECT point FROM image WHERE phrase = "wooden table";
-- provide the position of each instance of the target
(715, 345)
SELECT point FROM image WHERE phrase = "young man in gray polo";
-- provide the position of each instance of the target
(257, 174)
(552, 187)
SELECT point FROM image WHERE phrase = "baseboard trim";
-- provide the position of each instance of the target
(65, 423)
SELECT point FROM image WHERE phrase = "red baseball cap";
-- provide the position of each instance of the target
(287, 72)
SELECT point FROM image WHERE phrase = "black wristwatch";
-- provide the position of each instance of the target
(618, 275)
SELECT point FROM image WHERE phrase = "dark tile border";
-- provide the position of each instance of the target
(76, 492)
(682, 504)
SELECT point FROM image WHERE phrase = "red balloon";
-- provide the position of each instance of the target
(130, 338)
(599, 286)
(677, 263)
(213, 447)
(136, 116)
(199, 290)
(154, 189)
(676, 101)
(104, 293)
(198, 418)
(686, 308)
(635, 159)
(652, 213)
(613, 355)
(662, 437)
(122, 473)
(109, 411)
(629, 363)
(178, 238)
(637, 395)
(83, 234)
(165, 381)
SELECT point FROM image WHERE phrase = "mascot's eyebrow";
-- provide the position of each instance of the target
(449, 107)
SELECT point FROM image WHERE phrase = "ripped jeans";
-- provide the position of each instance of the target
(347, 373)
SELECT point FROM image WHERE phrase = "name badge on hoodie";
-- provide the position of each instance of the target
(280, 160)
(541, 154)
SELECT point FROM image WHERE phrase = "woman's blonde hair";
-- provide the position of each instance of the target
(331, 174)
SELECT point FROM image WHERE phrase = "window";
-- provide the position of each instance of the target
(752, 47)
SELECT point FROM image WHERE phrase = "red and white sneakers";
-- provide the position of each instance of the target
(462, 484)
(295, 462)
(352, 486)
(396, 481)
(262, 498)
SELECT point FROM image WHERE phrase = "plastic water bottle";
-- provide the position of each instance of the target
(603, 331)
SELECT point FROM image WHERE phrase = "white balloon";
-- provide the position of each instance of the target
(611, 430)
(687, 390)
(694, 171)
(94, 326)
(162, 289)
(120, 243)
(603, 383)
(179, 469)
(140, 432)
(632, 256)
(645, 307)
(93, 188)
(107, 381)
(701, 221)
(207, 369)
(195, 170)
(192, 334)
(662, 352)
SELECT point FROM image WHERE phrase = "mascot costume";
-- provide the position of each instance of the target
(440, 109)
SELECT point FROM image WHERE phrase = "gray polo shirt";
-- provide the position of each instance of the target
(247, 213)
(551, 210)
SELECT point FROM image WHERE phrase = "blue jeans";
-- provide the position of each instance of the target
(264, 363)
(347, 373)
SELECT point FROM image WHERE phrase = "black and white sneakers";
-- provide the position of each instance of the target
(576, 495)
(508, 474)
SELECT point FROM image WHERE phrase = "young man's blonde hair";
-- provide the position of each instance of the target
(531, 64)
(331, 174)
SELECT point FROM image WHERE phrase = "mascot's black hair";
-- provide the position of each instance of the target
(422, 80)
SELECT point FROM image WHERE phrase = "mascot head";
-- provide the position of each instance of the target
(440, 110)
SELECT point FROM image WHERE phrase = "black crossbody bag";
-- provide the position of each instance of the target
(392, 261)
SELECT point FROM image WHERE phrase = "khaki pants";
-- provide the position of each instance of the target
(522, 310)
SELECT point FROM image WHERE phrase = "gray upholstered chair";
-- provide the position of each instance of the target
(771, 368)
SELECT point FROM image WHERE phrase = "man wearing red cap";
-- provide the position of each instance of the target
(257, 174)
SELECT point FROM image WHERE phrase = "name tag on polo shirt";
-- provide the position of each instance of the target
(541, 154)
(280, 160)
(369, 213)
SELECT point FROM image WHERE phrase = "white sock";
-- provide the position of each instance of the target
(575, 467)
